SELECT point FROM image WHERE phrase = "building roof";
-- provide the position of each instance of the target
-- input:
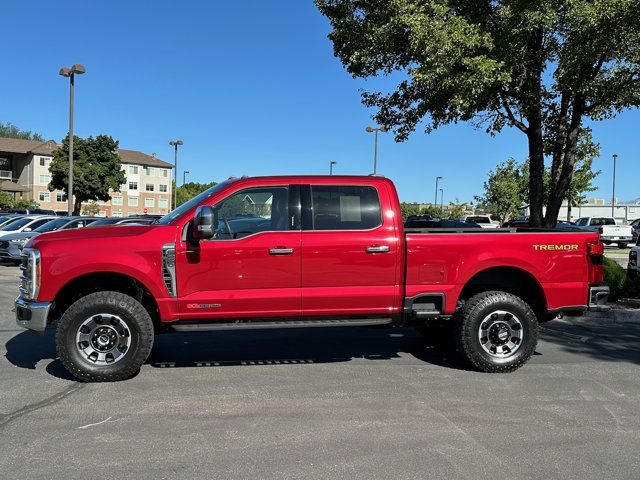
(17, 145)
(11, 186)
(139, 158)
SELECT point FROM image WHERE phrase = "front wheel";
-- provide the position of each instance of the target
(498, 332)
(104, 336)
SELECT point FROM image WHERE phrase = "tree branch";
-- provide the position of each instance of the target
(509, 115)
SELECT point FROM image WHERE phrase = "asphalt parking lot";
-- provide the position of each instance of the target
(331, 404)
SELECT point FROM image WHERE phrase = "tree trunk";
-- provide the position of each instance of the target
(560, 188)
(536, 174)
(77, 205)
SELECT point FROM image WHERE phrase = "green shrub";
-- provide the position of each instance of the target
(616, 278)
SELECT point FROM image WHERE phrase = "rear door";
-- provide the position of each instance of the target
(349, 251)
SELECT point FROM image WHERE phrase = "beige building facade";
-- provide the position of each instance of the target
(24, 173)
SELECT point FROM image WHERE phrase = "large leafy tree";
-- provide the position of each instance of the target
(189, 190)
(97, 169)
(542, 67)
(9, 130)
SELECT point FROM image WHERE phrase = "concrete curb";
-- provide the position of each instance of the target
(618, 315)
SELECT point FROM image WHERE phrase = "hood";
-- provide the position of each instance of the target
(15, 235)
(108, 231)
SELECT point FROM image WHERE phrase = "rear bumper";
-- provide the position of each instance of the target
(621, 238)
(32, 315)
(598, 297)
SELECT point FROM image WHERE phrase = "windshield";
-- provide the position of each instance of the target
(17, 224)
(185, 207)
(52, 225)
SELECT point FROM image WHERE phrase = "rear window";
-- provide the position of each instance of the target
(344, 207)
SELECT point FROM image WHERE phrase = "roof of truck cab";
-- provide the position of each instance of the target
(316, 178)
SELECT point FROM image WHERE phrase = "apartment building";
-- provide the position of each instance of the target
(24, 174)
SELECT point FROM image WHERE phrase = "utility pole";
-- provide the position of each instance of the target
(613, 196)
(435, 202)
(70, 72)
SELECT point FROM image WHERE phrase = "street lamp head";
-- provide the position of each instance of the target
(439, 178)
(65, 72)
(369, 129)
(333, 163)
(77, 68)
(174, 143)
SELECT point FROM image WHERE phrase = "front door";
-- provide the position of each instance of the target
(251, 266)
(349, 252)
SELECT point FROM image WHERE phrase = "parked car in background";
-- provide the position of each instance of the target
(27, 223)
(11, 244)
(425, 221)
(635, 225)
(32, 211)
(4, 219)
(483, 220)
(610, 231)
(103, 222)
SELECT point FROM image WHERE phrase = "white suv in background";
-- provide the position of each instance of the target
(484, 221)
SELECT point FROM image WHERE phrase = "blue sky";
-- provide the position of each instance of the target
(252, 87)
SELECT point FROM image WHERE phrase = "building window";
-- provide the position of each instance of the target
(132, 201)
(44, 196)
(149, 187)
(149, 170)
(163, 188)
(162, 203)
(117, 214)
(61, 197)
(133, 169)
(149, 202)
(45, 161)
(133, 185)
(163, 172)
(116, 201)
(45, 179)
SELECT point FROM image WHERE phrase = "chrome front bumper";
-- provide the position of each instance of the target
(598, 297)
(32, 315)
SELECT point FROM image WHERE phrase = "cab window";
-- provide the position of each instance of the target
(345, 207)
(250, 211)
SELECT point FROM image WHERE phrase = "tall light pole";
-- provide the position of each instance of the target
(70, 72)
(435, 202)
(184, 176)
(375, 145)
(174, 144)
(613, 195)
(331, 164)
(442, 200)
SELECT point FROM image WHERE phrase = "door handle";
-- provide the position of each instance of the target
(377, 249)
(280, 251)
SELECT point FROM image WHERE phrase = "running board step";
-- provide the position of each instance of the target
(205, 327)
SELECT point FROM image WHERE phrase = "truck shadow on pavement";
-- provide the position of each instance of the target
(599, 341)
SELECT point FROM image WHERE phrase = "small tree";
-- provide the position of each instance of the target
(28, 204)
(6, 201)
(11, 131)
(191, 189)
(97, 169)
(503, 190)
(91, 209)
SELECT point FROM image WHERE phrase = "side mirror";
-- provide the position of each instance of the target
(202, 227)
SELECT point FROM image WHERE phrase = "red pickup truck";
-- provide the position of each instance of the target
(299, 251)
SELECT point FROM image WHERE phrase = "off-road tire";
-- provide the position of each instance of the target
(470, 318)
(139, 325)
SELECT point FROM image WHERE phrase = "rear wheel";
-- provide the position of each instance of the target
(622, 245)
(497, 332)
(105, 336)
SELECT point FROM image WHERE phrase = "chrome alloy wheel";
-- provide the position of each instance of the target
(103, 339)
(500, 334)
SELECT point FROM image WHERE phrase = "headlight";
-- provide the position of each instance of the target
(30, 276)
